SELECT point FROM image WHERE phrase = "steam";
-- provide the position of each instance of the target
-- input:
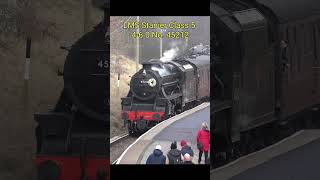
(169, 54)
(173, 52)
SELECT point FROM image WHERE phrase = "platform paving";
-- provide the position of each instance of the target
(293, 158)
(183, 126)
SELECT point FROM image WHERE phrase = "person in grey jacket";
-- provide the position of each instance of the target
(174, 155)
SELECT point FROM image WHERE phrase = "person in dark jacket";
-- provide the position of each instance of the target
(185, 148)
(203, 138)
(174, 155)
(156, 157)
(187, 159)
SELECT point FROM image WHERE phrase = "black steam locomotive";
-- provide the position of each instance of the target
(162, 89)
(266, 72)
(72, 139)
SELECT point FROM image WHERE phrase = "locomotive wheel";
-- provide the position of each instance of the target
(170, 110)
(236, 153)
(248, 143)
(251, 143)
(316, 116)
(309, 121)
(130, 129)
(133, 130)
(173, 110)
(178, 107)
(133, 133)
(272, 132)
(260, 139)
(294, 125)
(48, 171)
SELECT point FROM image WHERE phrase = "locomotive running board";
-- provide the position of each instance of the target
(221, 105)
(102, 51)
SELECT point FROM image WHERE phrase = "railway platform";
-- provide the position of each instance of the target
(295, 157)
(180, 127)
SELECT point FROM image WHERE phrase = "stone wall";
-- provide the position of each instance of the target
(8, 17)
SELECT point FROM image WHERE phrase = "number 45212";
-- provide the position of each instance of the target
(178, 34)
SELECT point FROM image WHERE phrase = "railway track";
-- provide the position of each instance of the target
(118, 145)
(118, 138)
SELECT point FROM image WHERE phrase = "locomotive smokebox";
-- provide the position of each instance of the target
(154, 77)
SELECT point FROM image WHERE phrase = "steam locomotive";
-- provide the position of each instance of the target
(266, 73)
(72, 139)
(162, 89)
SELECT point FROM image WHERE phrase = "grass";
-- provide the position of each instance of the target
(127, 67)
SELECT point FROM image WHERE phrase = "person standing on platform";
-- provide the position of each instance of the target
(203, 142)
(174, 155)
(156, 157)
(185, 148)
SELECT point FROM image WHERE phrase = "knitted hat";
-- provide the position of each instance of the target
(173, 145)
(183, 143)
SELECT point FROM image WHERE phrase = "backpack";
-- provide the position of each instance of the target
(175, 160)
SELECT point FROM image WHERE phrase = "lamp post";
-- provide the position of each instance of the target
(137, 46)
(186, 43)
(161, 30)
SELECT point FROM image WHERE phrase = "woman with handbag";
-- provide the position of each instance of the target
(203, 142)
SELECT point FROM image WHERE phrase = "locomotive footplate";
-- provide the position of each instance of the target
(221, 105)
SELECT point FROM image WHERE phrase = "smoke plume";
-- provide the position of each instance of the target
(174, 51)
(169, 54)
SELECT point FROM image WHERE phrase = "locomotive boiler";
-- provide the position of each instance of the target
(162, 89)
